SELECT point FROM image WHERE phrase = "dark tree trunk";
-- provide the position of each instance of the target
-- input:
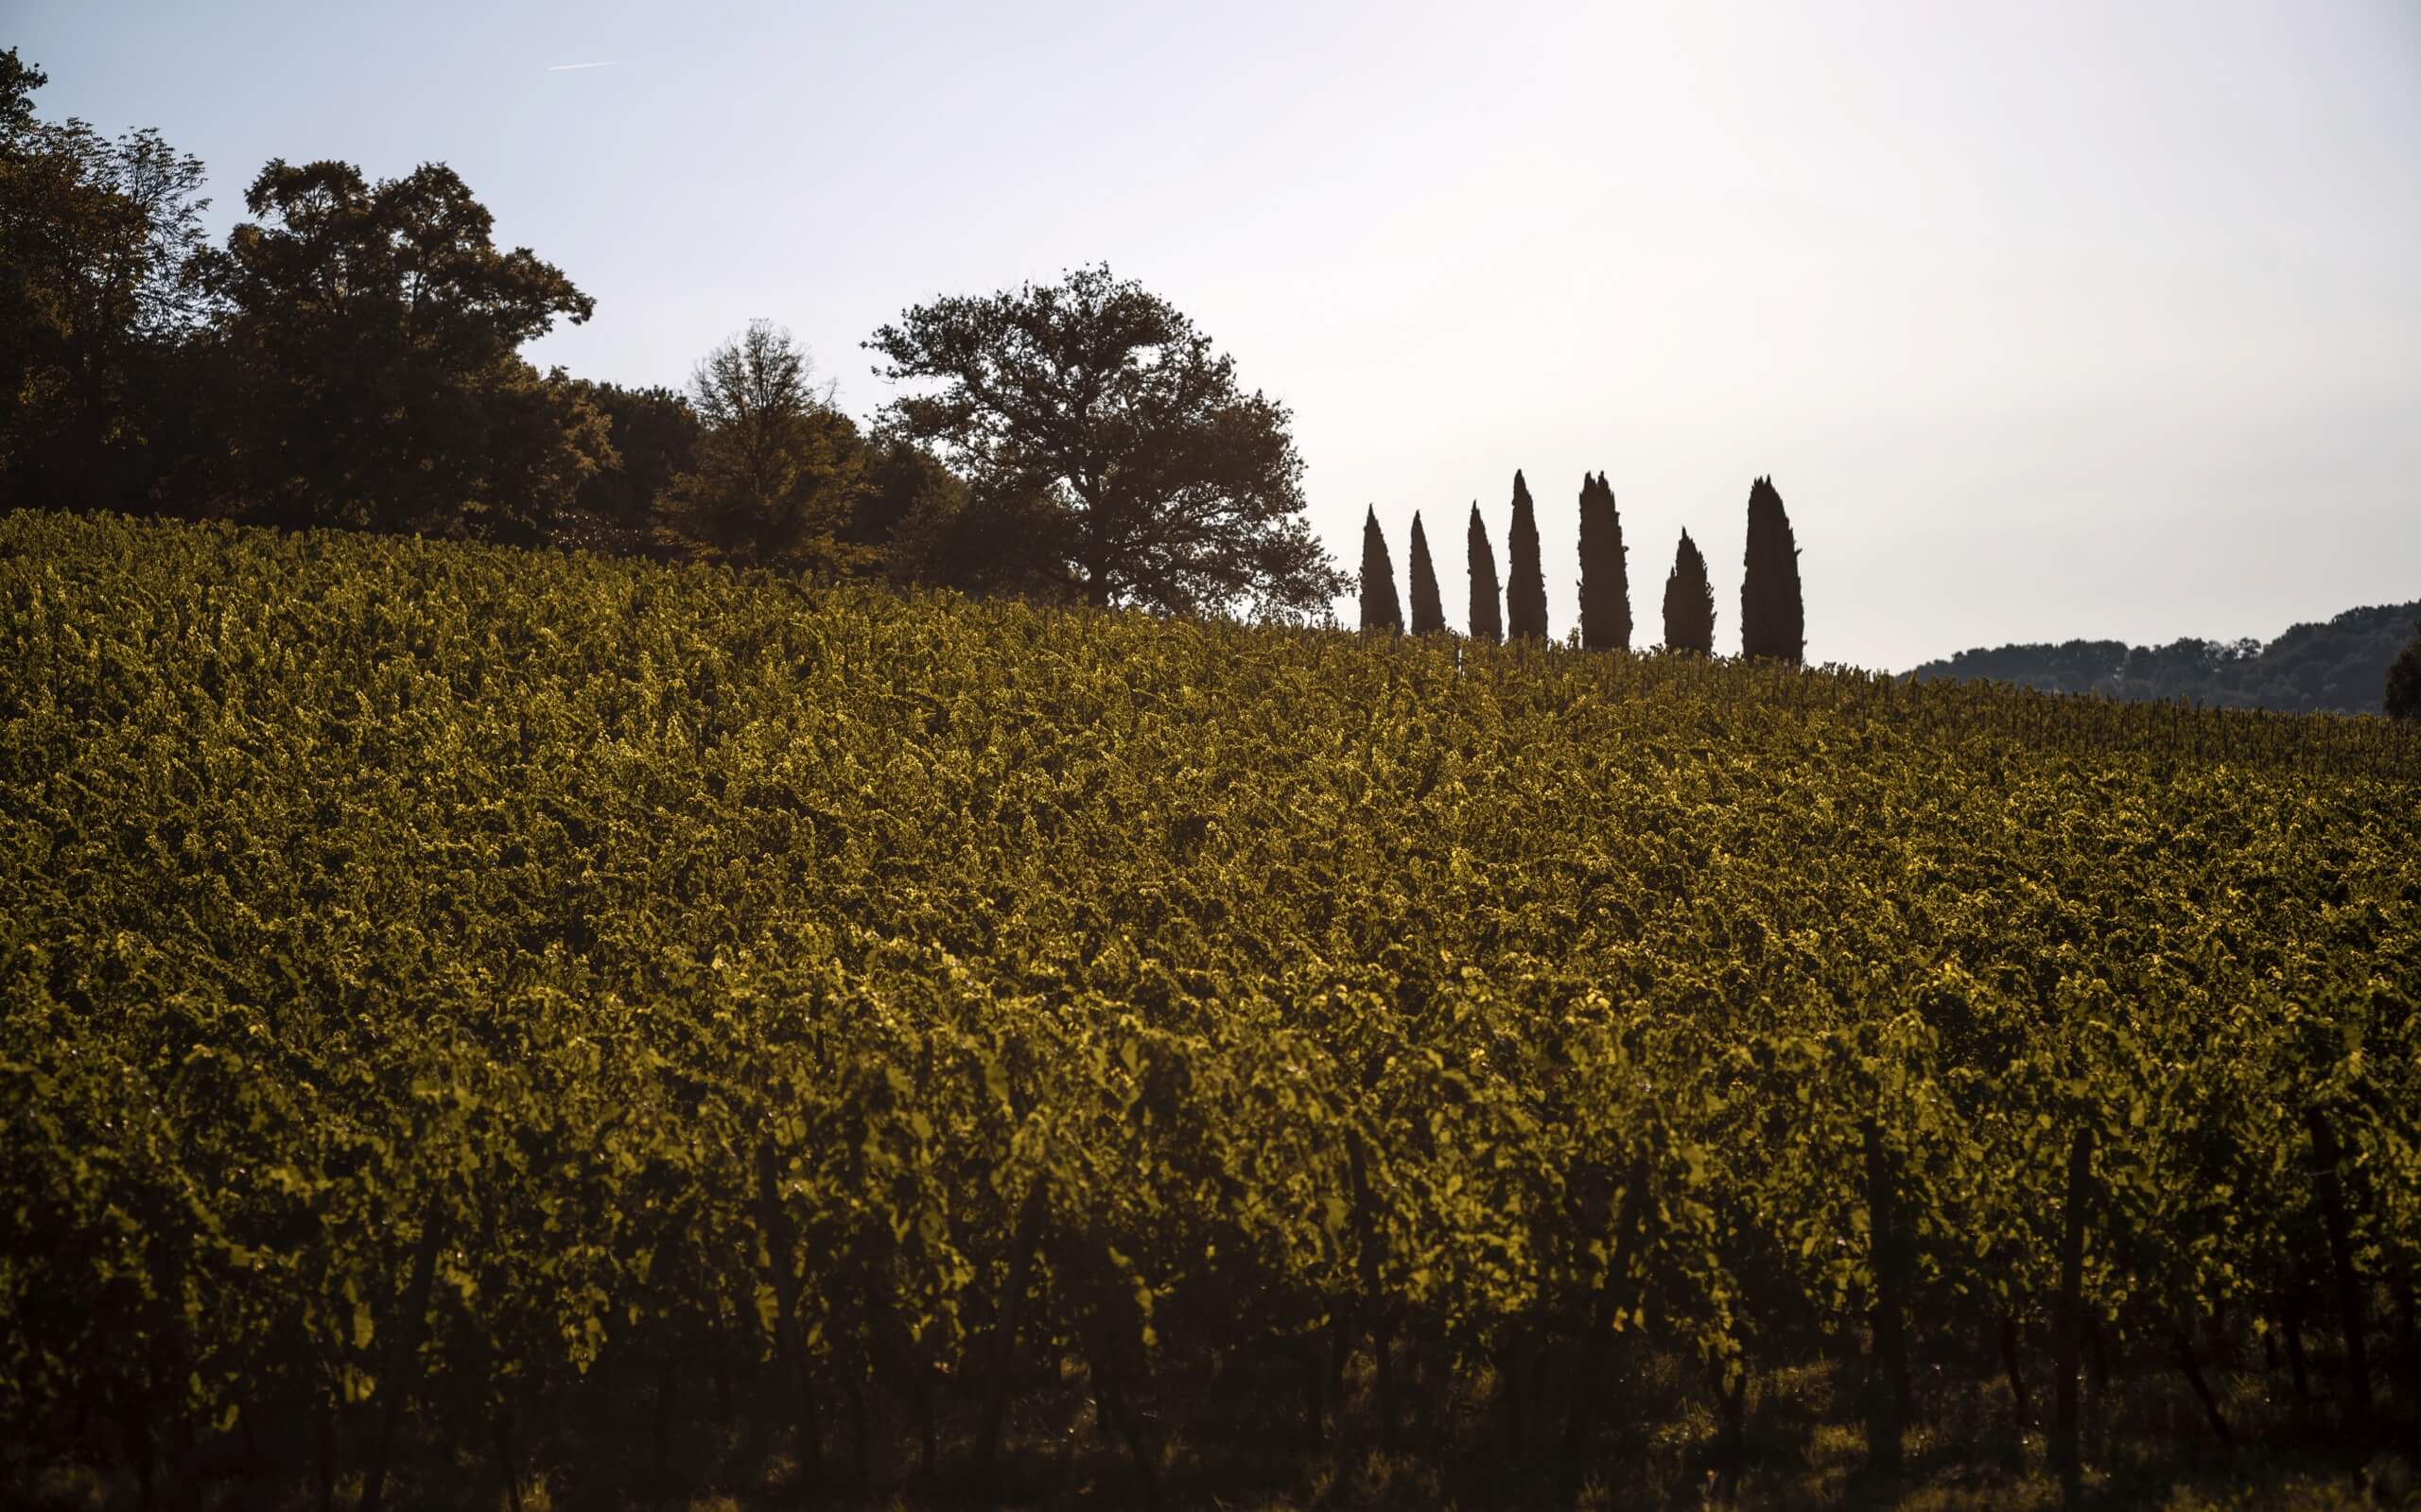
(1120, 1419)
(2020, 1411)
(789, 1335)
(660, 1428)
(2341, 1257)
(1004, 1342)
(2065, 1314)
(2291, 1322)
(402, 1364)
(1579, 1416)
(2182, 1347)
(324, 1444)
(508, 1465)
(1891, 1302)
(1315, 1427)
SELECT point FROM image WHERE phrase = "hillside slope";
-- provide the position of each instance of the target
(469, 1013)
(2338, 666)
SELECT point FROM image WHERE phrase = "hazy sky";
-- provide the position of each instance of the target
(2047, 319)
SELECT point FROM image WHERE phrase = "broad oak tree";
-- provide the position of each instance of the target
(1167, 486)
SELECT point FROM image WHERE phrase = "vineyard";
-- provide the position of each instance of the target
(484, 1026)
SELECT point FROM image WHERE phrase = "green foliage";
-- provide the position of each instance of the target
(1525, 586)
(654, 435)
(2401, 698)
(1101, 400)
(1380, 608)
(1689, 603)
(1772, 621)
(94, 239)
(675, 964)
(1605, 573)
(931, 530)
(368, 339)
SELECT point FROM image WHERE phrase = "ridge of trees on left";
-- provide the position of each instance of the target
(350, 357)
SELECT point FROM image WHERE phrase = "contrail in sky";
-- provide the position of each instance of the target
(565, 68)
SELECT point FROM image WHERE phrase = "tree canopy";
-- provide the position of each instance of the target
(1485, 621)
(1182, 491)
(1380, 608)
(1605, 581)
(371, 337)
(1428, 610)
(1689, 602)
(777, 467)
(1526, 583)
(2339, 664)
(1773, 624)
(2402, 696)
(96, 237)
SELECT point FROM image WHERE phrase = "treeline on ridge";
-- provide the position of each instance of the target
(2336, 666)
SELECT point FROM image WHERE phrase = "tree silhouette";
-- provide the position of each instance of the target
(1428, 613)
(371, 336)
(1772, 621)
(930, 530)
(95, 237)
(655, 436)
(1484, 623)
(1526, 588)
(1181, 491)
(1689, 603)
(2403, 694)
(1380, 608)
(778, 468)
(1605, 576)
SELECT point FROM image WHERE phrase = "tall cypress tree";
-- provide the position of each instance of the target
(1689, 603)
(1380, 608)
(1428, 613)
(1772, 620)
(1525, 587)
(1484, 623)
(1605, 576)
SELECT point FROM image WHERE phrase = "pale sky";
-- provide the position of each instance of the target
(2047, 319)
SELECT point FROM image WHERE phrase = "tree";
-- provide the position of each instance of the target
(1428, 612)
(95, 240)
(1484, 623)
(655, 435)
(1773, 622)
(777, 467)
(1381, 610)
(925, 524)
(1525, 590)
(1605, 576)
(371, 337)
(1182, 493)
(2403, 693)
(1689, 603)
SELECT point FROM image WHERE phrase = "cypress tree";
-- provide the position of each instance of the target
(2403, 693)
(1525, 587)
(1605, 578)
(1772, 620)
(1428, 613)
(1484, 623)
(1689, 603)
(1380, 608)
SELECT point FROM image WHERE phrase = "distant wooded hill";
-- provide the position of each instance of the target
(2341, 665)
